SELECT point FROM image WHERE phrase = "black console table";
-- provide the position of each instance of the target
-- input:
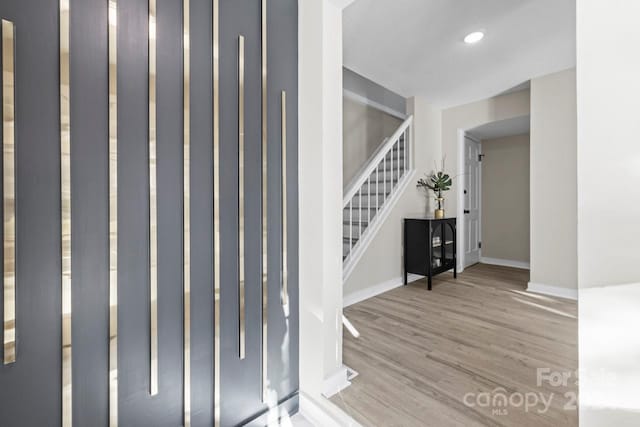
(429, 247)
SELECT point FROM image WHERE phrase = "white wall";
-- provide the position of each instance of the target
(382, 262)
(609, 211)
(554, 215)
(320, 192)
(609, 148)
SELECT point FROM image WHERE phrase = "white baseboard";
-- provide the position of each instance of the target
(336, 382)
(380, 288)
(324, 413)
(505, 262)
(555, 291)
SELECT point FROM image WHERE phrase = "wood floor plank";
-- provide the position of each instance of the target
(424, 356)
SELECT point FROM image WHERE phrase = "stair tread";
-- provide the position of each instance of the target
(374, 195)
(356, 221)
(364, 208)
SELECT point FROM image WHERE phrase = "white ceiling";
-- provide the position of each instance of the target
(502, 128)
(415, 47)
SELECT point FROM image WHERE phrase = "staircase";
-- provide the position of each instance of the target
(371, 194)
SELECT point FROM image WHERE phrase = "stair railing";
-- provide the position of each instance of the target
(380, 172)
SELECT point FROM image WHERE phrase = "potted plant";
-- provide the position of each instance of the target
(438, 182)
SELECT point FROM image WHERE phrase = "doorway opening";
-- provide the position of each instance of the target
(493, 197)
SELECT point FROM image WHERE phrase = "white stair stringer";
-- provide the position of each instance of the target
(371, 196)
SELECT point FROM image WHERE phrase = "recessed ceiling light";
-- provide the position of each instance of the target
(474, 37)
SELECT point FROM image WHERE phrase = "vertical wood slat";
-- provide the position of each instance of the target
(216, 209)
(9, 192)
(241, 254)
(265, 307)
(113, 213)
(285, 225)
(153, 207)
(65, 193)
(186, 215)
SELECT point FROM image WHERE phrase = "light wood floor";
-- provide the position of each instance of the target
(420, 353)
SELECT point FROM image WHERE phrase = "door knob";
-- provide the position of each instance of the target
(466, 211)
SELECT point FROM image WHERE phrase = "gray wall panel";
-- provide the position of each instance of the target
(135, 407)
(283, 75)
(239, 388)
(167, 405)
(30, 390)
(89, 211)
(201, 216)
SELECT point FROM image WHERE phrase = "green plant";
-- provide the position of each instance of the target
(437, 182)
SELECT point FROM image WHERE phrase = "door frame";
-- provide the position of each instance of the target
(462, 134)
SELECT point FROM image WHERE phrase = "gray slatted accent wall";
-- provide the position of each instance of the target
(30, 390)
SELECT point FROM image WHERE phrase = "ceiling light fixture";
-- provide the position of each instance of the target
(474, 37)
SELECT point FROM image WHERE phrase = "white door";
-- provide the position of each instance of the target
(471, 202)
